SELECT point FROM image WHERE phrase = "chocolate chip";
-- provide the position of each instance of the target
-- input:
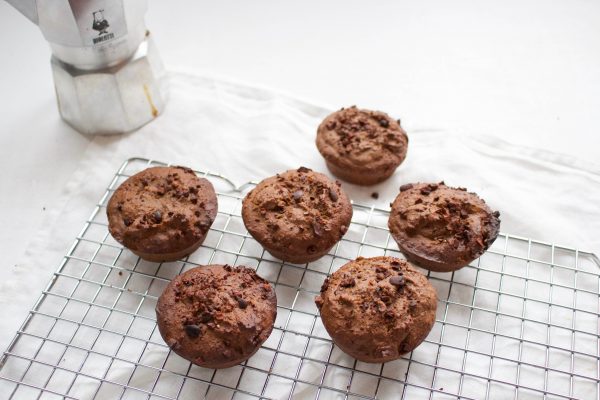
(389, 315)
(496, 214)
(418, 201)
(406, 187)
(317, 228)
(157, 216)
(242, 303)
(375, 195)
(347, 282)
(303, 170)
(399, 121)
(333, 194)
(192, 331)
(127, 221)
(298, 194)
(386, 299)
(397, 281)
(384, 123)
(433, 186)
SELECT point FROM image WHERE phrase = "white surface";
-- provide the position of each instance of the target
(259, 125)
(522, 71)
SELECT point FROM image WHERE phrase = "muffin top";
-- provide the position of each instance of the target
(440, 227)
(162, 210)
(377, 309)
(297, 212)
(216, 315)
(357, 138)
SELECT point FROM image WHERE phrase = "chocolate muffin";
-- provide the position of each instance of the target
(361, 146)
(162, 213)
(442, 228)
(298, 215)
(376, 309)
(216, 316)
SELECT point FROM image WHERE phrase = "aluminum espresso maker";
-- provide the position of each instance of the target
(108, 75)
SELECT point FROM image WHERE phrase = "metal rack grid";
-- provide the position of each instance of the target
(521, 322)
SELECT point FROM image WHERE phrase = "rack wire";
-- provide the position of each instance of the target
(521, 322)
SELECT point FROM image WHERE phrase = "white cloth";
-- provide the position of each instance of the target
(248, 133)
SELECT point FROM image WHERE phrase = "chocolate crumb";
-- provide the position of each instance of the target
(384, 123)
(157, 216)
(347, 282)
(317, 228)
(375, 195)
(325, 285)
(397, 281)
(496, 214)
(206, 317)
(333, 195)
(406, 187)
(319, 301)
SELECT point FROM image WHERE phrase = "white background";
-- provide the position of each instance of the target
(526, 71)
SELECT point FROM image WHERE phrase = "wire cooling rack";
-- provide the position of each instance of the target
(522, 322)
